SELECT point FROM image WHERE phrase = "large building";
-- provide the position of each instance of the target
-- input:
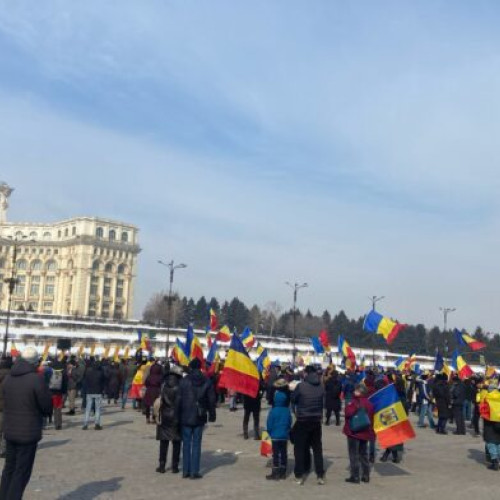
(85, 266)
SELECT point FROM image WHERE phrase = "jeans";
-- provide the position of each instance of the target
(126, 388)
(191, 450)
(308, 435)
(96, 399)
(475, 418)
(493, 450)
(358, 456)
(176, 453)
(467, 410)
(426, 411)
(441, 426)
(280, 455)
(17, 470)
(458, 416)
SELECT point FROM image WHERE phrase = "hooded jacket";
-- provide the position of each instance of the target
(307, 398)
(27, 400)
(196, 400)
(279, 419)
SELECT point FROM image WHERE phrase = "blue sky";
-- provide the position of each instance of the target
(352, 145)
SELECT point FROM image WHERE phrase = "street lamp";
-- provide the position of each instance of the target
(12, 282)
(172, 269)
(374, 300)
(295, 287)
(446, 311)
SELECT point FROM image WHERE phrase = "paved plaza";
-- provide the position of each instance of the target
(119, 463)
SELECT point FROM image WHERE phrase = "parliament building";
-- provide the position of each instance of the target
(84, 266)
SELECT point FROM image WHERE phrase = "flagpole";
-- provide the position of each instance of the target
(446, 311)
(374, 300)
(295, 287)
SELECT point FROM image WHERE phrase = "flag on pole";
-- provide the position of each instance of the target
(465, 340)
(13, 350)
(179, 353)
(197, 350)
(345, 349)
(266, 445)
(240, 373)
(460, 366)
(213, 320)
(224, 334)
(247, 338)
(317, 345)
(325, 341)
(381, 325)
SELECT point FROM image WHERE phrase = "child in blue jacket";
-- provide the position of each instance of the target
(279, 423)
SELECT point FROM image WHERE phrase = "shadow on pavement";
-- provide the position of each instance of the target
(389, 470)
(211, 460)
(52, 444)
(92, 490)
(478, 456)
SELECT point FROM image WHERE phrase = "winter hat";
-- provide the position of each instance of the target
(310, 369)
(30, 355)
(195, 364)
(176, 370)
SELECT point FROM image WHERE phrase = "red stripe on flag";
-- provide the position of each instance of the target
(396, 434)
(239, 382)
(395, 332)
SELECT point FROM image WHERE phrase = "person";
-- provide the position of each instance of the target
(94, 382)
(153, 388)
(196, 400)
(279, 423)
(113, 383)
(307, 403)
(441, 393)
(333, 390)
(27, 400)
(128, 371)
(490, 412)
(75, 375)
(457, 394)
(137, 391)
(251, 406)
(58, 386)
(470, 396)
(424, 397)
(167, 428)
(359, 437)
(5, 366)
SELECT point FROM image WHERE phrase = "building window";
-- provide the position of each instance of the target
(95, 265)
(35, 286)
(59, 234)
(94, 286)
(99, 232)
(105, 310)
(118, 312)
(1, 283)
(108, 268)
(20, 286)
(2, 263)
(33, 235)
(92, 308)
(125, 237)
(47, 307)
(112, 235)
(21, 264)
(119, 289)
(19, 234)
(106, 292)
(51, 265)
(66, 232)
(36, 265)
(121, 269)
(70, 264)
(32, 306)
(49, 286)
(73, 231)
(46, 236)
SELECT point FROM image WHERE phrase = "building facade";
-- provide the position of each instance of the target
(85, 266)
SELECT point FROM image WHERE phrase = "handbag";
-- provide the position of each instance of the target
(360, 421)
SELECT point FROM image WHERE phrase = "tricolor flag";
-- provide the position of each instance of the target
(145, 342)
(263, 361)
(490, 372)
(197, 351)
(439, 362)
(247, 338)
(179, 353)
(224, 334)
(464, 340)
(460, 366)
(13, 350)
(259, 348)
(325, 341)
(400, 363)
(345, 349)
(317, 345)
(390, 420)
(208, 338)
(189, 341)
(240, 373)
(213, 320)
(266, 445)
(381, 325)
(213, 359)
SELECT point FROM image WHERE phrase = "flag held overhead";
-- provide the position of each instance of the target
(382, 325)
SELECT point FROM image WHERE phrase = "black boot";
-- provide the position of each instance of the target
(282, 472)
(161, 468)
(385, 456)
(396, 457)
(274, 476)
(495, 465)
(256, 434)
(354, 480)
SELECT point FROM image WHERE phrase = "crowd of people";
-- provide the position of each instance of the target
(181, 400)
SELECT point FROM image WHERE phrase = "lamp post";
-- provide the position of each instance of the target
(446, 311)
(12, 282)
(374, 300)
(172, 267)
(295, 287)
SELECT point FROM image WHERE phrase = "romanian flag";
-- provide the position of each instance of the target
(325, 341)
(490, 372)
(189, 341)
(247, 338)
(400, 363)
(208, 339)
(145, 343)
(13, 350)
(240, 373)
(263, 361)
(266, 445)
(461, 367)
(213, 320)
(224, 334)
(345, 349)
(390, 421)
(317, 345)
(381, 325)
(213, 359)
(464, 340)
(46, 350)
(259, 348)
(179, 353)
(116, 357)
(439, 362)
(196, 350)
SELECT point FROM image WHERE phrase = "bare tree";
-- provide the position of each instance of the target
(270, 315)
(156, 309)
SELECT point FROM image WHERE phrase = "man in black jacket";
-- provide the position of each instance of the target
(196, 400)
(26, 401)
(457, 393)
(307, 402)
(94, 383)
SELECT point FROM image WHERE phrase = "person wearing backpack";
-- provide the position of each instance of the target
(167, 425)
(358, 428)
(94, 380)
(58, 386)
